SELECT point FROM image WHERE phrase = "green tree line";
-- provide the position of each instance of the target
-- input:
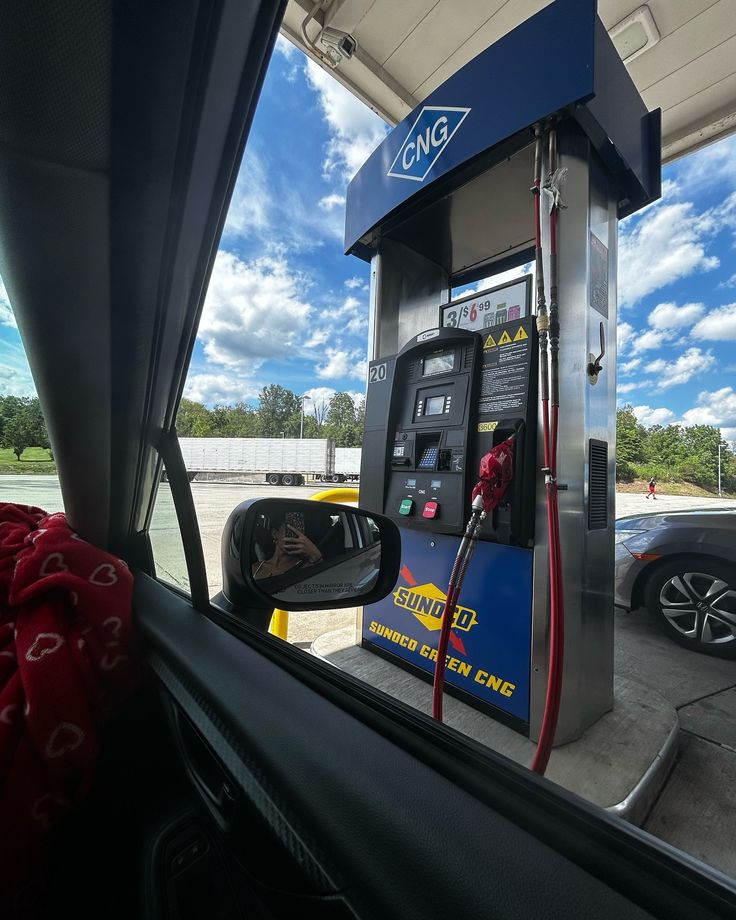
(22, 424)
(278, 414)
(673, 453)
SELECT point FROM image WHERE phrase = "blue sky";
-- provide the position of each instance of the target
(286, 306)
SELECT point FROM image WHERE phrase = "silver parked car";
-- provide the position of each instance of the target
(681, 566)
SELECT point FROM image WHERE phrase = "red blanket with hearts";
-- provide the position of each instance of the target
(65, 662)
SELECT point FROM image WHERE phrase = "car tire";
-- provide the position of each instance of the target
(693, 601)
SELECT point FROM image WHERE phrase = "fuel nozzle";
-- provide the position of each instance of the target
(496, 472)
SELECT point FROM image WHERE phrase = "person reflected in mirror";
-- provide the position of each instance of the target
(292, 549)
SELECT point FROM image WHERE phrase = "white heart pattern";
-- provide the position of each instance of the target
(5, 714)
(107, 663)
(115, 624)
(42, 808)
(52, 565)
(64, 738)
(104, 575)
(44, 644)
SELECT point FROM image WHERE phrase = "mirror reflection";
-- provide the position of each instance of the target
(318, 554)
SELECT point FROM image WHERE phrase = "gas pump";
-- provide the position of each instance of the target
(445, 202)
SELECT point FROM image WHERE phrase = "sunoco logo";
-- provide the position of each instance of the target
(429, 135)
(427, 603)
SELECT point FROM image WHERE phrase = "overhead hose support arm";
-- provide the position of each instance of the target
(496, 472)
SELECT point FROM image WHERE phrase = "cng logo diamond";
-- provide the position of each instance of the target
(433, 130)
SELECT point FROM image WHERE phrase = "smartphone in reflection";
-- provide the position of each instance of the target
(295, 519)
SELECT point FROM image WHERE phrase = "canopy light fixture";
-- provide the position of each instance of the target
(635, 34)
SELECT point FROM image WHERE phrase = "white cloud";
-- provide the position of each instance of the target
(730, 283)
(285, 47)
(330, 202)
(690, 364)
(511, 274)
(341, 362)
(251, 201)
(627, 387)
(350, 316)
(219, 388)
(353, 283)
(7, 317)
(14, 382)
(719, 325)
(652, 338)
(667, 242)
(670, 316)
(337, 364)
(648, 416)
(15, 374)
(624, 335)
(319, 398)
(712, 165)
(253, 311)
(670, 188)
(628, 366)
(318, 337)
(718, 408)
(355, 131)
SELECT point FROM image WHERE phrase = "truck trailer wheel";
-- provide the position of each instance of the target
(287, 479)
(273, 479)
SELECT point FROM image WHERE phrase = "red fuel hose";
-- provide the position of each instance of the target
(555, 668)
(496, 471)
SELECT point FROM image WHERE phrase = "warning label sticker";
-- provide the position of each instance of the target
(598, 276)
(505, 378)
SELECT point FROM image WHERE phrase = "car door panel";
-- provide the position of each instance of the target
(350, 813)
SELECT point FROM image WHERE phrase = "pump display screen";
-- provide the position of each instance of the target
(435, 405)
(438, 364)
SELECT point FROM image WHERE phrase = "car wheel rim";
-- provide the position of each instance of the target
(700, 606)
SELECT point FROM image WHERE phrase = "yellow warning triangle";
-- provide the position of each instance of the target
(490, 342)
(505, 338)
(520, 334)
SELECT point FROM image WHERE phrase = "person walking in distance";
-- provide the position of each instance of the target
(652, 487)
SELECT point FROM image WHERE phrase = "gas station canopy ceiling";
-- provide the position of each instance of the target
(392, 54)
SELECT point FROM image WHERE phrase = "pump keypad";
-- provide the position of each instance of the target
(428, 460)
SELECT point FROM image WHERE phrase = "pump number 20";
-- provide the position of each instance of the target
(377, 372)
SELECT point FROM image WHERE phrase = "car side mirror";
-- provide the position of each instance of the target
(305, 555)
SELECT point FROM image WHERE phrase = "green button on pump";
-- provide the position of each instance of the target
(406, 506)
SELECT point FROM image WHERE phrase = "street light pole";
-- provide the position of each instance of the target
(720, 494)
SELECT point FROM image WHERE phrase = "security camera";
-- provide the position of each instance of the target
(344, 45)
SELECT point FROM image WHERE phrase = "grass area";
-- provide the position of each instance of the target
(32, 460)
(670, 488)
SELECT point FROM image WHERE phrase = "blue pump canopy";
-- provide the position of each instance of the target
(559, 62)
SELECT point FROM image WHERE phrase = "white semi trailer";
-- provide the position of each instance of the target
(282, 461)
(347, 464)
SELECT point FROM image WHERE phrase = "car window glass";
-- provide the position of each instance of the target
(278, 374)
(166, 539)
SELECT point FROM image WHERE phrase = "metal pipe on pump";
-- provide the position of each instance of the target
(486, 497)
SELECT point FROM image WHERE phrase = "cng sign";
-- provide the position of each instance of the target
(433, 130)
